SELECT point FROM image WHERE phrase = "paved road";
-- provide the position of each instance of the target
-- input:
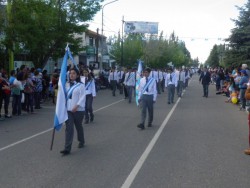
(196, 142)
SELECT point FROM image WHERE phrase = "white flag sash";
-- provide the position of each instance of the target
(132, 74)
(87, 86)
(71, 89)
(147, 85)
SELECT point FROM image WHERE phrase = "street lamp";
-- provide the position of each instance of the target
(102, 32)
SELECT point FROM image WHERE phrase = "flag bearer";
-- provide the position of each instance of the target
(75, 109)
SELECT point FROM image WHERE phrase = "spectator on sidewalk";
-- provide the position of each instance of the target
(5, 93)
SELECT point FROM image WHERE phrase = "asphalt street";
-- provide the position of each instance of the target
(196, 142)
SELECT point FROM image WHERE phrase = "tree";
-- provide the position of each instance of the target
(132, 49)
(213, 59)
(155, 51)
(42, 28)
(239, 40)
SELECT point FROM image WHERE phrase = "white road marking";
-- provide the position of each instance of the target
(150, 146)
(43, 132)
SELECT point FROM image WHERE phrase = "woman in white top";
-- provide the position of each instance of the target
(75, 108)
(90, 89)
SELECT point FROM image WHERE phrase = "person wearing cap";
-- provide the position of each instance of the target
(147, 97)
(243, 86)
(245, 67)
(205, 79)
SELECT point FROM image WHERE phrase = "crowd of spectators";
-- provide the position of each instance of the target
(234, 83)
(28, 88)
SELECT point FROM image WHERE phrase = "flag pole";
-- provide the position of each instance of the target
(61, 112)
(52, 140)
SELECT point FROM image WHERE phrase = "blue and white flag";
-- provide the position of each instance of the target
(61, 114)
(71, 57)
(138, 78)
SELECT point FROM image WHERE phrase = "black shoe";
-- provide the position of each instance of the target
(7, 116)
(150, 125)
(86, 122)
(141, 126)
(65, 152)
(92, 119)
(168, 102)
(80, 145)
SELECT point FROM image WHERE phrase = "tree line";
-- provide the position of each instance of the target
(40, 29)
(236, 49)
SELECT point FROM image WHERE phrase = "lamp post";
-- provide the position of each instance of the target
(102, 32)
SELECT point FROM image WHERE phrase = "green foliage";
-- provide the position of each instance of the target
(239, 40)
(213, 59)
(155, 52)
(44, 27)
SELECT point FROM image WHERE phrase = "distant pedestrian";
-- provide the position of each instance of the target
(171, 84)
(129, 83)
(90, 90)
(205, 79)
(113, 80)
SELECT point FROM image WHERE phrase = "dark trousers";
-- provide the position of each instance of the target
(120, 87)
(29, 97)
(171, 91)
(125, 92)
(89, 107)
(113, 86)
(205, 90)
(16, 104)
(74, 119)
(6, 99)
(242, 98)
(37, 99)
(180, 88)
(158, 85)
(130, 92)
(147, 105)
(162, 85)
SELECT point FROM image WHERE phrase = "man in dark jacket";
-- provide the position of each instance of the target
(205, 79)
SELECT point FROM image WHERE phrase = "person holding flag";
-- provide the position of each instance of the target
(75, 101)
(147, 97)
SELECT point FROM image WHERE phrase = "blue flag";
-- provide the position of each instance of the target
(71, 58)
(138, 78)
(61, 114)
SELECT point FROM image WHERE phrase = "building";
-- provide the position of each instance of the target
(95, 53)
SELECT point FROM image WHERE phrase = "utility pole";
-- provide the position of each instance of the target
(122, 42)
(11, 46)
(97, 46)
(102, 33)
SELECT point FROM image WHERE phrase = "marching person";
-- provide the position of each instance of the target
(129, 83)
(147, 97)
(113, 79)
(90, 89)
(171, 84)
(124, 87)
(75, 109)
(120, 84)
(181, 82)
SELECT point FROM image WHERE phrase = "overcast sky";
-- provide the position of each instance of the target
(200, 23)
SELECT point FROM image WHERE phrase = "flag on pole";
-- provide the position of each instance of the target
(61, 110)
(71, 58)
(138, 78)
